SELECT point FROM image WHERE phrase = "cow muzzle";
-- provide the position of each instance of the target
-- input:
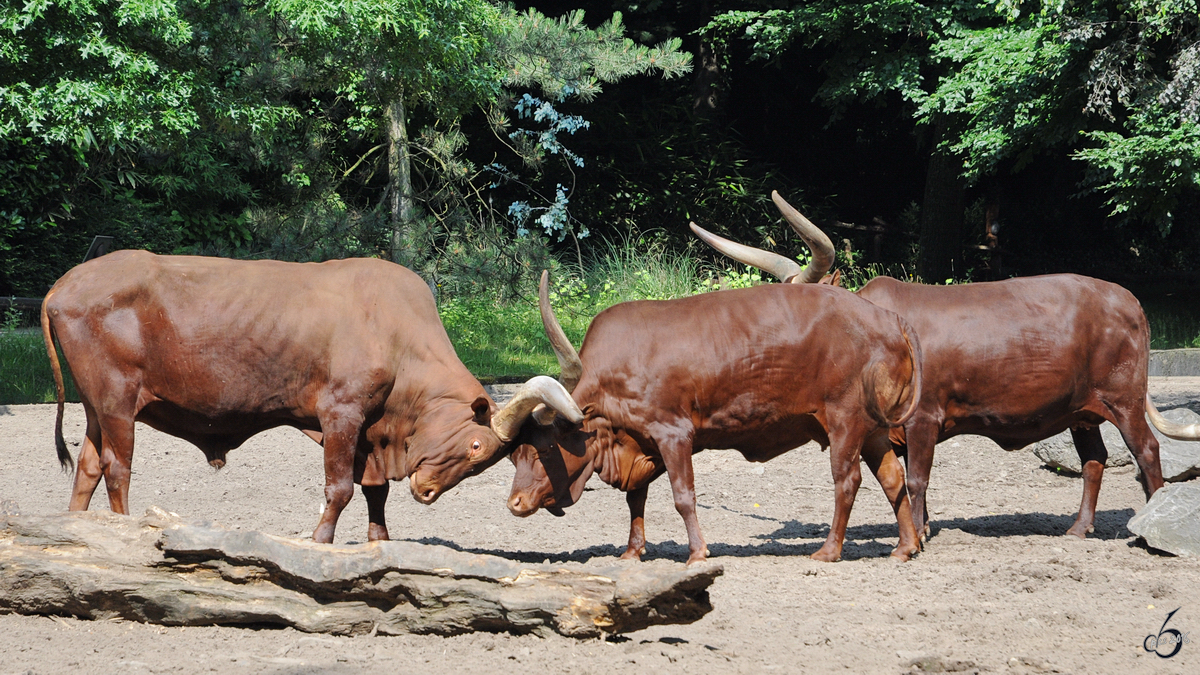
(423, 490)
(522, 505)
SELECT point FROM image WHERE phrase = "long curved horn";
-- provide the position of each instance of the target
(818, 243)
(782, 267)
(1179, 432)
(568, 358)
(536, 391)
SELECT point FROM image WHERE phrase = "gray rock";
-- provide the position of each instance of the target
(1058, 452)
(1180, 459)
(1170, 521)
(159, 569)
(1174, 363)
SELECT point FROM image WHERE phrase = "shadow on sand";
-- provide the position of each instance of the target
(862, 541)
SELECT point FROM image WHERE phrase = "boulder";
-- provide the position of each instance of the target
(1170, 521)
(160, 569)
(1058, 451)
(1180, 459)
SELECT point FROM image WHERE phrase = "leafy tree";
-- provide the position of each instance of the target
(257, 129)
(1000, 83)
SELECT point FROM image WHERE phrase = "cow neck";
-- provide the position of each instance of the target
(616, 464)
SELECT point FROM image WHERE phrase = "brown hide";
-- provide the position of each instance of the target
(1016, 361)
(1021, 360)
(762, 370)
(214, 351)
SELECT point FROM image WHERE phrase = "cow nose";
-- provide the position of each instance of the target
(519, 506)
(425, 493)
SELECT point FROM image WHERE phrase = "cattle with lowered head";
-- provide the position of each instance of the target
(761, 370)
(1016, 361)
(214, 351)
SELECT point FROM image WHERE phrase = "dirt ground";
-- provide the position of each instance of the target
(997, 589)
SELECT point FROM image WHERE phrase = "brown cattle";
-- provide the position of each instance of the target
(762, 370)
(214, 351)
(1016, 361)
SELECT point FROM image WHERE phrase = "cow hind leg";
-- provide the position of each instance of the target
(844, 454)
(376, 496)
(881, 458)
(116, 457)
(87, 468)
(1092, 456)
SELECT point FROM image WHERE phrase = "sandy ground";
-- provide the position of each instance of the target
(997, 589)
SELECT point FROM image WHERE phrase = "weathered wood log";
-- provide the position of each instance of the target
(159, 569)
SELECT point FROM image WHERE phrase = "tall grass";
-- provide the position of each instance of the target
(505, 339)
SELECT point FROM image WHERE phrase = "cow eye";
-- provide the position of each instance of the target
(476, 445)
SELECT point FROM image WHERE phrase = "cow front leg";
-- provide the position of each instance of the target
(376, 496)
(340, 440)
(1144, 447)
(1092, 457)
(675, 446)
(636, 499)
(881, 459)
(844, 458)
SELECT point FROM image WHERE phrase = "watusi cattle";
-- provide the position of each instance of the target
(213, 351)
(761, 370)
(1016, 361)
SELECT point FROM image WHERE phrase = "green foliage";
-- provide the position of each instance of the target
(1147, 171)
(1013, 91)
(1009, 80)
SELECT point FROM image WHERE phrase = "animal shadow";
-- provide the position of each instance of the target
(1109, 524)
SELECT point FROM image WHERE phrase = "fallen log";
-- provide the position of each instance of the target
(160, 569)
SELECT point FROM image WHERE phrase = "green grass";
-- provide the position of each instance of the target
(1172, 324)
(505, 340)
(25, 375)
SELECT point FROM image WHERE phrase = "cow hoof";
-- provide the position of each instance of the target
(827, 555)
(698, 557)
(904, 554)
(377, 533)
(1081, 531)
(633, 554)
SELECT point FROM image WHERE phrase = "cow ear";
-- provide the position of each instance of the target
(482, 408)
(836, 280)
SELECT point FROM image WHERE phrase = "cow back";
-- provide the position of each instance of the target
(754, 368)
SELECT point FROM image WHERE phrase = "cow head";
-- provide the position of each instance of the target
(783, 268)
(553, 463)
(555, 458)
(453, 441)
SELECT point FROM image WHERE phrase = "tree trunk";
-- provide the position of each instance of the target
(939, 254)
(403, 207)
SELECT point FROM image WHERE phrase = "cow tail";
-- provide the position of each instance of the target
(64, 456)
(1179, 432)
(914, 354)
